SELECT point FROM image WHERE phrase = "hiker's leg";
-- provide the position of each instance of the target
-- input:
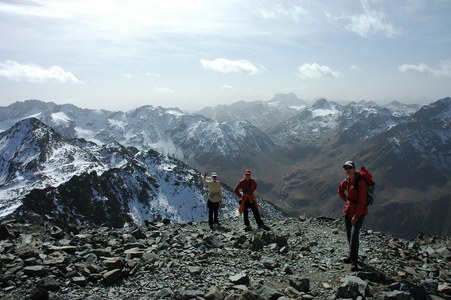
(354, 244)
(246, 214)
(348, 225)
(215, 213)
(210, 213)
(256, 213)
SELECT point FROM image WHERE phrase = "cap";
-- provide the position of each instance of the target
(214, 174)
(247, 172)
(349, 163)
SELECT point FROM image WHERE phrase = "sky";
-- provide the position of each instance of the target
(120, 55)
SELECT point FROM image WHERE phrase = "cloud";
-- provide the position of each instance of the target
(371, 22)
(33, 73)
(315, 71)
(227, 88)
(228, 66)
(163, 90)
(355, 68)
(153, 75)
(424, 69)
(296, 12)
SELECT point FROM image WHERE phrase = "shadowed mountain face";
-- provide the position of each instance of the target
(80, 182)
(296, 162)
(410, 162)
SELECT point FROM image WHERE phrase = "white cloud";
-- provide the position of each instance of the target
(153, 75)
(424, 69)
(355, 68)
(227, 88)
(33, 73)
(315, 71)
(296, 12)
(163, 90)
(228, 66)
(371, 22)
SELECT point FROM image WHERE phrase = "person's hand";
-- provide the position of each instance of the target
(354, 220)
(205, 174)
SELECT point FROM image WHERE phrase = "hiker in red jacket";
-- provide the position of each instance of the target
(354, 192)
(245, 191)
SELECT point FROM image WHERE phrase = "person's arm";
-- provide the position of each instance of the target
(254, 186)
(237, 190)
(204, 179)
(341, 190)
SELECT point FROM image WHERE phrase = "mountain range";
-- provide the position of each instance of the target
(80, 182)
(295, 151)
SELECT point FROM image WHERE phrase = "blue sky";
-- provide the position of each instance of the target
(192, 54)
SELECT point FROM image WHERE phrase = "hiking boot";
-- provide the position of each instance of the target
(355, 268)
(264, 227)
(347, 260)
(247, 228)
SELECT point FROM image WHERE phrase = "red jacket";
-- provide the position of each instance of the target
(355, 198)
(247, 186)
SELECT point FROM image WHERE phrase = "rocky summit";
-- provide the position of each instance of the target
(296, 259)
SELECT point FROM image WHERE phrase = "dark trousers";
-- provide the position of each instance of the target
(213, 208)
(352, 233)
(255, 211)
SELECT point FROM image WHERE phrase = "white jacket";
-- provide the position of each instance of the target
(214, 189)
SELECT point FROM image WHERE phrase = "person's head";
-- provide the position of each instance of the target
(349, 167)
(247, 173)
(214, 176)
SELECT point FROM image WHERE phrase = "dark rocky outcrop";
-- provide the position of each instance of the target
(296, 259)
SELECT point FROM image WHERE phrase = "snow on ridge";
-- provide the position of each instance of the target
(300, 107)
(273, 103)
(323, 112)
(88, 135)
(60, 118)
(35, 115)
(174, 112)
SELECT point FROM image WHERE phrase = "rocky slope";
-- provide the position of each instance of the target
(296, 259)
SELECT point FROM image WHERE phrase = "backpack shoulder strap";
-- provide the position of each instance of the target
(358, 177)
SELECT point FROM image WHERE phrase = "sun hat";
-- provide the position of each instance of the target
(247, 172)
(214, 174)
(349, 163)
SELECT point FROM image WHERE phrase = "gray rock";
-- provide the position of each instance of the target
(300, 284)
(353, 287)
(241, 278)
(214, 293)
(37, 270)
(112, 276)
(394, 295)
(296, 260)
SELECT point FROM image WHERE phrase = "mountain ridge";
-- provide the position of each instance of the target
(297, 163)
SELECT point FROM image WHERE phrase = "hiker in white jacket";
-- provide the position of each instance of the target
(214, 197)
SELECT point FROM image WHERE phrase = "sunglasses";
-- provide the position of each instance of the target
(347, 168)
